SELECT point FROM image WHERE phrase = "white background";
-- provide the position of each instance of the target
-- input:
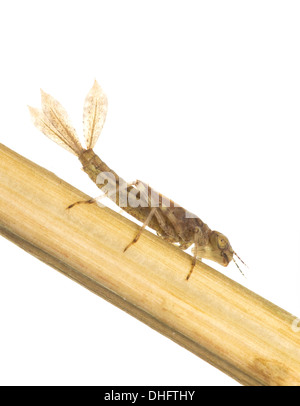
(204, 105)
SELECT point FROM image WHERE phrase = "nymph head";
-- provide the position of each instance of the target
(218, 249)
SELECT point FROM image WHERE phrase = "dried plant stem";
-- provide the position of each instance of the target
(224, 323)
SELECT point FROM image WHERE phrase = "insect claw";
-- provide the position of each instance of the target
(70, 207)
(126, 248)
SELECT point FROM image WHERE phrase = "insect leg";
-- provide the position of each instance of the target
(169, 232)
(185, 245)
(89, 201)
(108, 193)
(147, 221)
(149, 195)
(197, 236)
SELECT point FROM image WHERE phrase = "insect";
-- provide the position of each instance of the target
(170, 221)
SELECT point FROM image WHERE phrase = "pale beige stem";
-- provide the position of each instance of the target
(234, 329)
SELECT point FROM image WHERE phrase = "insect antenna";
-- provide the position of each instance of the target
(240, 259)
(239, 267)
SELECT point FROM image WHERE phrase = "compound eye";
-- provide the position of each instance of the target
(222, 242)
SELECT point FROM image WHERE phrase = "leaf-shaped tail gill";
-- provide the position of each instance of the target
(94, 114)
(53, 121)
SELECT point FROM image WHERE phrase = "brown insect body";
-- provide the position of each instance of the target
(171, 221)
